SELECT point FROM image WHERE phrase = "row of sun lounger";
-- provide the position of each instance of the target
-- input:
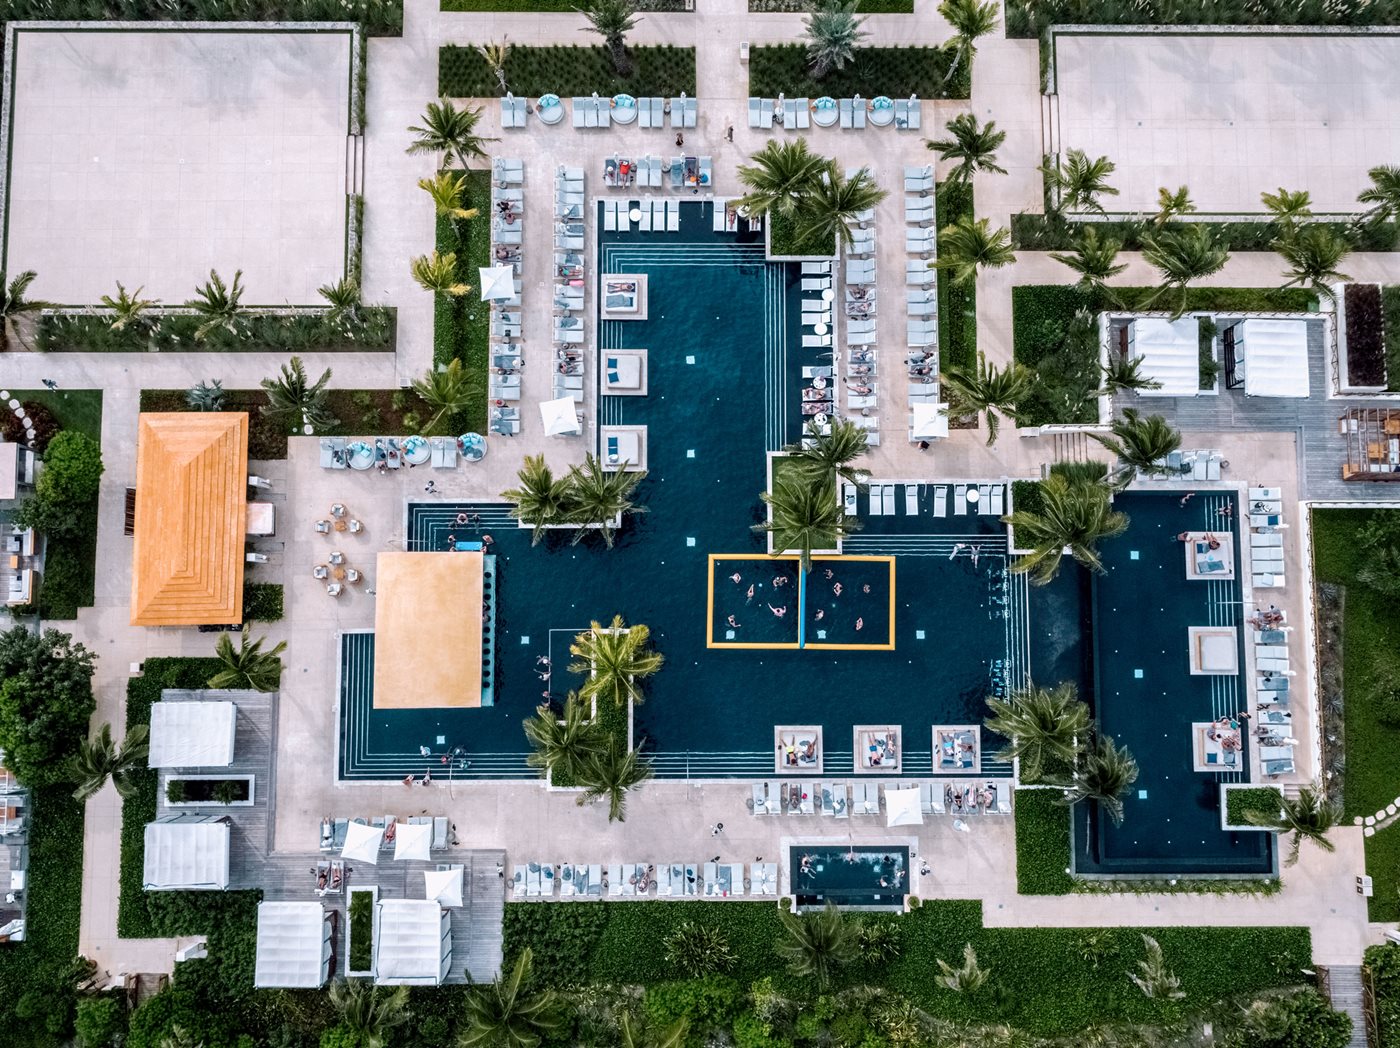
(799, 114)
(639, 880)
(841, 800)
(1266, 526)
(507, 222)
(568, 315)
(653, 216)
(861, 308)
(885, 499)
(921, 305)
(727, 220)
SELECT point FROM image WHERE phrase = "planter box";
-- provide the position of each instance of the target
(200, 791)
(1361, 328)
(1226, 788)
(373, 892)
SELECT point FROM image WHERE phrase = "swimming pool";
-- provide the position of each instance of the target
(847, 875)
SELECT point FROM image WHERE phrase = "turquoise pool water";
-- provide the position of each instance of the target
(849, 875)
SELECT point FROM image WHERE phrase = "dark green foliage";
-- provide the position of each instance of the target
(1039, 232)
(1025, 495)
(712, 1001)
(70, 566)
(100, 1020)
(68, 483)
(36, 417)
(787, 242)
(378, 17)
(895, 71)
(462, 325)
(361, 932)
(262, 602)
(1264, 800)
(1384, 965)
(254, 333)
(45, 703)
(267, 437)
(1042, 843)
(957, 301)
(1365, 350)
(567, 7)
(464, 73)
(1390, 312)
(1030, 18)
(1301, 1020)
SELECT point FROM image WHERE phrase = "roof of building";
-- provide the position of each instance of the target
(191, 495)
(1170, 353)
(294, 945)
(427, 630)
(192, 734)
(186, 855)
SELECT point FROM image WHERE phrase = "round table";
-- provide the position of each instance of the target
(828, 295)
(635, 214)
(820, 329)
(337, 573)
(973, 496)
(340, 525)
(819, 383)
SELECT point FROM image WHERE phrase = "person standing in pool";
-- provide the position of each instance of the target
(860, 625)
(749, 595)
(778, 612)
(836, 588)
(733, 622)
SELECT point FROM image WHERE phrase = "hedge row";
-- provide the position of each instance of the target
(1240, 804)
(462, 326)
(464, 73)
(1384, 965)
(786, 241)
(1042, 843)
(1390, 316)
(1035, 232)
(957, 303)
(865, 7)
(253, 333)
(378, 17)
(895, 71)
(1030, 18)
(566, 7)
(262, 602)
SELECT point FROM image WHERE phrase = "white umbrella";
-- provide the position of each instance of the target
(930, 421)
(560, 417)
(362, 843)
(412, 840)
(445, 886)
(496, 282)
(902, 807)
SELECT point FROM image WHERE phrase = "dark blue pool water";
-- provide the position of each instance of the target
(849, 876)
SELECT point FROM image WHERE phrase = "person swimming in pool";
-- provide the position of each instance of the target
(957, 548)
(865, 588)
(836, 588)
(778, 612)
(779, 580)
(749, 596)
(829, 573)
(860, 625)
(821, 614)
(731, 620)
(736, 578)
(976, 551)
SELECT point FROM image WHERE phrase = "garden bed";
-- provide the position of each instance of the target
(894, 71)
(1364, 360)
(1383, 967)
(566, 7)
(360, 930)
(1390, 317)
(1241, 800)
(783, 241)
(957, 303)
(863, 7)
(462, 326)
(1042, 843)
(284, 332)
(464, 73)
(262, 602)
(1038, 232)
(1027, 19)
(195, 791)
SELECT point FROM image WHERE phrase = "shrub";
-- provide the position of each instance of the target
(1383, 962)
(703, 1002)
(175, 791)
(1030, 18)
(1390, 312)
(698, 950)
(1025, 495)
(37, 417)
(787, 242)
(262, 602)
(253, 333)
(45, 703)
(1048, 232)
(878, 939)
(463, 72)
(72, 469)
(1240, 804)
(361, 932)
(70, 565)
(895, 71)
(1365, 341)
(957, 302)
(461, 329)
(100, 1020)
(1042, 844)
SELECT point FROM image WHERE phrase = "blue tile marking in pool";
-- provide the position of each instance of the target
(1137, 674)
(690, 453)
(1134, 555)
(690, 358)
(690, 540)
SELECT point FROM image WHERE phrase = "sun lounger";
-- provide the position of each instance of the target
(790, 114)
(1265, 494)
(848, 499)
(711, 878)
(846, 117)
(663, 879)
(691, 884)
(984, 499)
(610, 215)
(911, 500)
(887, 499)
(759, 805)
(919, 242)
(1268, 581)
(940, 501)
(812, 269)
(915, 117)
(510, 170)
(807, 805)
(568, 887)
(690, 108)
(1279, 767)
(959, 499)
(756, 112)
(616, 879)
(644, 208)
(997, 500)
(816, 283)
(918, 179)
(580, 104)
(534, 880)
(813, 319)
(918, 274)
(918, 210)
(828, 803)
(707, 172)
(517, 882)
(804, 113)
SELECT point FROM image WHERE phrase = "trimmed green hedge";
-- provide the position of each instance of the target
(894, 71)
(786, 241)
(1030, 18)
(957, 303)
(69, 579)
(1384, 964)
(463, 72)
(1042, 843)
(566, 7)
(262, 602)
(865, 7)
(1390, 312)
(462, 326)
(256, 333)
(1262, 800)
(1026, 496)
(1383, 864)
(1049, 987)
(361, 932)
(1037, 232)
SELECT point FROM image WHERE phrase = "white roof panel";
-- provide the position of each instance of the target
(414, 943)
(294, 945)
(1170, 352)
(192, 734)
(1276, 358)
(186, 855)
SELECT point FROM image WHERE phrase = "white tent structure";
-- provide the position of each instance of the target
(362, 842)
(414, 944)
(560, 417)
(930, 421)
(412, 840)
(1275, 356)
(444, 886)
(294, 945)
(902, 807)
(1170, 352)
(187, 853)
(497, 282)
(192, 734)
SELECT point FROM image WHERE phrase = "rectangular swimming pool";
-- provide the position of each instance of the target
(850, 875)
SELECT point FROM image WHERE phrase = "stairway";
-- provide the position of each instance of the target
(1071, 447)
(1344, 984)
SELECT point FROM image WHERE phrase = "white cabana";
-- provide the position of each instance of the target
(930, 421)
(444, 886)
(1170, 351)
(496, 282)
(414, 943)
(412, 840)
(192, 734)
(560, 417)
(294, 945)
(902, 807)
(1275, 358)
(362, 842)
(186, 854)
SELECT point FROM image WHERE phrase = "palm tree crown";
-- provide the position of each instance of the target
(599, 497)
(1076, 182)
(563, 744)
(780, 177)
(611, 775)
(612, 20)
(1153, 977)
(1044, 726)
(970, 244)
(972, 145)
(1094, 258)
(804, 515)
(1288, 206)
(818, 944)
(1172, 204)
(293, 399)
(541, 499)
(448, 391)
(217, 303)
(438, 273)
(1074, 514)
(1122, 374)
(247, 666)
(1314, 254)
(127, 307)
(1183, 255)
(1104, 775)
(447, 189)
(509, 1013)
(369, 1011)
(1383, 194)
(834, 202)
(990, 390)
(99, 758)
(820, 454)
(447, 129)
(1141, 443)
(13, 304)
(1308, 816)
(833, 33)
(495, 56)
(342, 299)
(616, 659)
(971, 20)
(968, 977)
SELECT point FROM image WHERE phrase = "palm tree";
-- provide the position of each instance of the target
(970, 244)
(1183, 255)
(295, 401)
(342, 299)
(599, 498)
(972, 145)
(371, 1015)
(833, 33)
(509, 1014)
(540, 500)
(248, 667)
(632, 1035)
(127, 307)
(1383, 195)
(612, 775)
(1105, 772)
(990, 390)
(447, 188)
(819, 454)
(612, 20)
(1172, 205)
(1076, 183)
(1074, 515)
(206, 396)
(1094, 258)
(495, 55)
(217, 303)
(1140, 443)
(834, 202)
(1313, 253)
(447, 129)
(438, 273)
(1044, 725)
(804, 515)
(780, 177)
(1154, 978)
(563, 745)
(1287, 206)
(1308, 816)
(616, 659)
(99, 758)
(1123, 374)
(971, 21)
(448, 391)
(14, 305)
(969, 977)
(819, 943)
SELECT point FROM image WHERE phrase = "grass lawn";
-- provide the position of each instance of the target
(463, 72)
(957, 303)
(894, 71)
(1042, 843)
(1050, 989)
(77, 409)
